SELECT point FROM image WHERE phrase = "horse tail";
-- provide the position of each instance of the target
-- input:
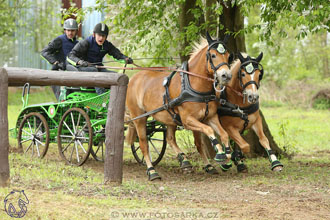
(131, 132)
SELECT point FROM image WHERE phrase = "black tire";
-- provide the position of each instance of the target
(33, 135)
(75, 134)
(98, 151)
(156, 151)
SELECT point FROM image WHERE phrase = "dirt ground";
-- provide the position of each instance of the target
(301, 191)
(259, 194)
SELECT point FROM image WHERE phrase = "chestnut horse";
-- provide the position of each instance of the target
(146, 91)
(239, 109)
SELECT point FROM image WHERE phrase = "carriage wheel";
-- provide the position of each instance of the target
(33, 135)
(157, 147)
(98, 151)
(74, 137)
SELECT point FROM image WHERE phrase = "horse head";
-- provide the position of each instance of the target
(250, 75)
(218, 58)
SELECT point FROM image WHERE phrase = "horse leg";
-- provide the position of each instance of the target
(171, 140)
(193, 124)
(208, 167)
(140, 125)
(276, 165)
(215, 124)
(237, 155)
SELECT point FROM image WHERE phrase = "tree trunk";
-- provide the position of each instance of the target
(210, 16)
(232, 21)
(185, 18)
(255, 147)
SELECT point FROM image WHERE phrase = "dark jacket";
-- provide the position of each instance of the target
(58, 49)
(88, 50)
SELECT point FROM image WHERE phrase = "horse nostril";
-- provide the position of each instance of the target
(256, 96)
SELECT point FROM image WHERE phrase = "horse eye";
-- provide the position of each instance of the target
(243, 74)
(213, 56)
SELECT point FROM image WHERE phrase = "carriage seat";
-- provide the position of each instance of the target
(70, 90)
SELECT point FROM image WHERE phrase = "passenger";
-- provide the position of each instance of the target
(91, 51)
(57, 50)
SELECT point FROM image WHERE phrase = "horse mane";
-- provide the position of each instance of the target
(197, 47)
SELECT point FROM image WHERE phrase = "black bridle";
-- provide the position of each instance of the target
(209, 59)
(243, 66)
(215, 68)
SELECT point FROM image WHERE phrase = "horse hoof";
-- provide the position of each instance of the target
(221, 158)
(210, 169)
(278, 169)
(187, 170)
(226, 167)
(154, 176)
(242, 168)
(186, 165)
(277, 166)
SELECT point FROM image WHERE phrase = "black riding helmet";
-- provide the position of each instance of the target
(101, 28)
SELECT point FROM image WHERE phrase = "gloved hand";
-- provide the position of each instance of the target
(83, 63)
(58, 66)
(61, 66)
(129, 60)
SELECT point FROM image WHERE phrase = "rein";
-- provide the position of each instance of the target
(168, 69)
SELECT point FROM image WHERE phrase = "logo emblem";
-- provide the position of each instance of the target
(51, 111)
(249, 68)
(15, 204)
(221, 48)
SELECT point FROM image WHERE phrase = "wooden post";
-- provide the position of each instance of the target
(113, 168)
(4, 141)
(114, 141)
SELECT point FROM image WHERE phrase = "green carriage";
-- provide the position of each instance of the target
(77, 125)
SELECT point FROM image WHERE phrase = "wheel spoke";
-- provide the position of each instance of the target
(37, 147)
(75, 145)
(26, 140)
(83, 138)
(154, 147)
(27, 132)
(82, 147)
(78, 121)
(30, 127)
(136, 149)
(79, 132)
(34, 124)
(66, 136)
(68, 128)
(28, 147)
(71, 154)
(38, 128)
(73, 125)
(68, 146)
(40, 142)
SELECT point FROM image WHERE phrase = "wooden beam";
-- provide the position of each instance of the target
(115, 122)
(113, 165)
(4, 140)
(38, 77)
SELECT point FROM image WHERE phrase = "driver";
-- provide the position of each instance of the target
(57, 50)
(91, 51)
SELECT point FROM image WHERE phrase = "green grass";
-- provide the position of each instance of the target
(307, 130)
(58, 191)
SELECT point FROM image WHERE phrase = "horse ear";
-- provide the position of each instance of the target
(225, 40)
(240, 57)
(259, 58)
(209, 38)
(231, 58)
